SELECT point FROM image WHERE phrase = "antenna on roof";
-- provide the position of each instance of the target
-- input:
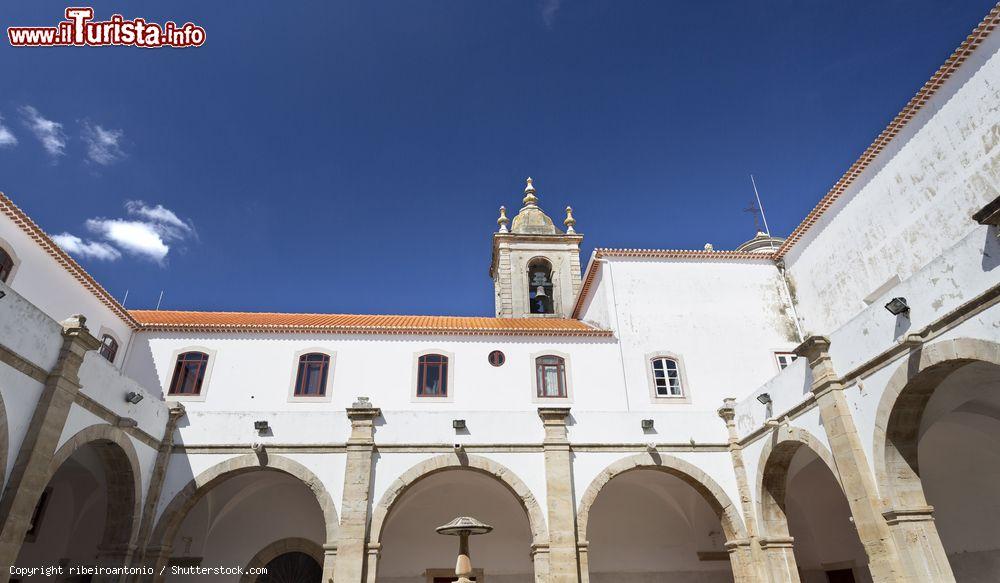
(125, 299)
(159, 300)
(759, 205)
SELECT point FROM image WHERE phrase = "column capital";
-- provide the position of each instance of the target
(362, 410)
(554, 422)
(915, 514)
(728, 409)
(553, 415)
(175, 410)
(777, 542)
(76, 327)
(813, 348)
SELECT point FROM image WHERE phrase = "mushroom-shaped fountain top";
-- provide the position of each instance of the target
(464, 525)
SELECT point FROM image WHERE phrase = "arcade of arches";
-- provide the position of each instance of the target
(645, 519)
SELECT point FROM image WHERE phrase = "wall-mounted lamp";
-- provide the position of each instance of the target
(647, 424)
(458, 424)
(261, 426)
(133, 397)
(897, 306)
(764, 398)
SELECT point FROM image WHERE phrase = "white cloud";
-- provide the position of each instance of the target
(7, 138)
(549, 9)
(87, 249)
(149, 235)
(136, 237)
(158, 213)
(48, 132)
(103, 146)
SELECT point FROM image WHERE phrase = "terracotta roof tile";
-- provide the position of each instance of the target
(165, 320)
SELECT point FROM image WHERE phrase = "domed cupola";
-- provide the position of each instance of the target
(761, 243)
(531, 220)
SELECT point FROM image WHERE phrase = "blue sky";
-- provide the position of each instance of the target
(351, 156)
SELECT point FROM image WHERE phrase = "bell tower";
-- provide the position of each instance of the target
(535, 266)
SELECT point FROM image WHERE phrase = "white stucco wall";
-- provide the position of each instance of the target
(724, 319)
(913, 203)
(51, 288)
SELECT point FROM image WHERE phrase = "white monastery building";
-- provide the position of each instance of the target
(819, 408)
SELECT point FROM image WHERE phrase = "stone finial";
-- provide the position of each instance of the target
(709, 247)
(529, 195)
(362, 403)
(570, 221)
(503, 220)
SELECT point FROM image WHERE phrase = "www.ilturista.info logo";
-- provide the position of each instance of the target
(79, 30)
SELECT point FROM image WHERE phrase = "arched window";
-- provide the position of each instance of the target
(540, 289)
(311, 378)
(109, 348)
(6, 265)
(550, 372)
(432, 375)
(189, 374)
(666, 377)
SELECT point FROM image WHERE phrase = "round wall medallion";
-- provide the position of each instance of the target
(497, 358)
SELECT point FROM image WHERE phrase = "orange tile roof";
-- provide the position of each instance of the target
(165, 320)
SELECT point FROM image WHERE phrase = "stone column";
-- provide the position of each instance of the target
(30, 473)
(175, 412)
(329, 562)
(563, 565)
(780, 559)
(741, 561)
(757, 566)
(919, 544)
(352, 546)
(540, 562)
(114, 556)
(849, 456)
(581, 552)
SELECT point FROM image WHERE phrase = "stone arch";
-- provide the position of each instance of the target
(901, 408)
(772, 475)
(729, 515)
(124, 481)
(444, 463)
(278, 548)
(186, 499)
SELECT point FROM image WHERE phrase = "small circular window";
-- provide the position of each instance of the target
(497, 358)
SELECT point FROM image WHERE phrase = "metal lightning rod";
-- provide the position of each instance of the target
(759, 205)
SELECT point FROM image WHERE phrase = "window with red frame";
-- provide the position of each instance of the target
(6, 265)
(551, 376)
(311, 378)
(189, 374)
(109, 348)
(432, 375)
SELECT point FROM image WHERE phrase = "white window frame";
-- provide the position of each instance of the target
(568, 368)
(777, 359)
(414, 377)
(654, 395)
(205, 384)
(326, 398)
